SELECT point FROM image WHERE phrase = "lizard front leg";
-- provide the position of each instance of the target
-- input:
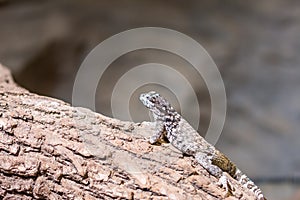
(159, 131)
(206, 161)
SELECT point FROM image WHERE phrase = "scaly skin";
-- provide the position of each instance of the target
(182, 135)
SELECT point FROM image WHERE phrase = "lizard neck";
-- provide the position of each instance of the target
(171, 122)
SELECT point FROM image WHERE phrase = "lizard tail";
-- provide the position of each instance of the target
(248, 183)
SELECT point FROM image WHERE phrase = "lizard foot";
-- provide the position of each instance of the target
(224, 183)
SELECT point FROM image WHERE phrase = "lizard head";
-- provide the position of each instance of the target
(156, 103)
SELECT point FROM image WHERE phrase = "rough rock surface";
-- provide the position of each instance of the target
(51, 150)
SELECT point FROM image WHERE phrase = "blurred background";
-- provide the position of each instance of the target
(255, 44)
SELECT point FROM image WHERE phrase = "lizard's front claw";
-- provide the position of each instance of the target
(150, 140)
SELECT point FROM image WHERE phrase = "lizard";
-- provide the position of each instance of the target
(171, 125)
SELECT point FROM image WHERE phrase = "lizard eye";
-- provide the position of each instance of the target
(153, 99)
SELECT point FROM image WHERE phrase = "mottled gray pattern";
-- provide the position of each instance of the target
(184, 137)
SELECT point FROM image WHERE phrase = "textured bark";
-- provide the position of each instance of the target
(51, 150)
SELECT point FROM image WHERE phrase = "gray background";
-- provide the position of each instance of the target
(255, 45)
